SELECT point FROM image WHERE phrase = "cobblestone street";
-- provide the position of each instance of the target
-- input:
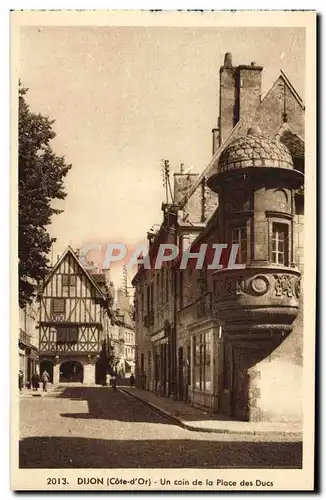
(95, 427)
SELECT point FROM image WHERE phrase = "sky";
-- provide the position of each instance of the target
(124, 98)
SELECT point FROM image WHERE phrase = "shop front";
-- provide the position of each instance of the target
(206, 366)
(160, 343)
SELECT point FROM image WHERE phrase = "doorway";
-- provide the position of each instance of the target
(71, 371)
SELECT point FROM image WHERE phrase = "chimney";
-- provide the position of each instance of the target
(216, 138)
(240, 91)
(248, 91)
(227, 98)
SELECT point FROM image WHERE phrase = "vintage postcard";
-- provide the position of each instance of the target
(163, 271)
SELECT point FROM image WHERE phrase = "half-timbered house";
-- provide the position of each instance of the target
(74, 322)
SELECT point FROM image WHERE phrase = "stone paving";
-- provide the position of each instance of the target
(97, 427)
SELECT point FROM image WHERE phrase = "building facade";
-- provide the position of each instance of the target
(231, 340)
(28, 340)
(74, 322)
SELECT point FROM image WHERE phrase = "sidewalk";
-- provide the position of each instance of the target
(52, 390)
(195, 419)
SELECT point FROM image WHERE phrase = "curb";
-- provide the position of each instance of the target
(194, 428)
(159, 410)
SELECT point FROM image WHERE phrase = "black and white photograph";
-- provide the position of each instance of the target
(163, 248)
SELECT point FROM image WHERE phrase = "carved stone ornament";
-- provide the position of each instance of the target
(229, 287)
(283, 285)
(259, 284)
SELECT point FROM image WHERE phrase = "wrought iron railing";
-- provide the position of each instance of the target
(24, 337)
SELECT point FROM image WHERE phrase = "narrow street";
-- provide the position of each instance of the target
(95, 427)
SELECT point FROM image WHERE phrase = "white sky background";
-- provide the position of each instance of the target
(123, 99)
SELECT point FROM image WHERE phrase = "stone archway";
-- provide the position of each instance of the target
(71, 371)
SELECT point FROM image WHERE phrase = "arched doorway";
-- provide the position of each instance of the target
(71, 371)
(47, 365)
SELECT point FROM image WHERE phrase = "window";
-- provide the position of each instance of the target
(202, 362)
(167, 284)
(69, 280)
(141, 306)
(280, 244)
(189, 290)
(158, 291)
(189, 277)
(152, 296)
(162, 271)
(58, 306)
(239, 236)
(181, 279)
(67, 334)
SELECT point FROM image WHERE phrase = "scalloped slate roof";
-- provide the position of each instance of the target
(255, 150)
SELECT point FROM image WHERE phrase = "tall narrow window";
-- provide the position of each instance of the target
(167, 285)
(181, 279)
(239, 236)
(148, 297)
(152, 298)
(141, 310)
(158, 291)
(280, 254)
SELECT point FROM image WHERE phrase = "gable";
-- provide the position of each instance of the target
(69, 278)
(280, 104)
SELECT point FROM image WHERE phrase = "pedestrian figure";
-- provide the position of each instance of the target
(132, 380)
(45, 379)
(107, 379)
(20, 380)
(35, 381)
(114, 382)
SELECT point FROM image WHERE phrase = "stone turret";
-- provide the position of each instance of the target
(256, 182)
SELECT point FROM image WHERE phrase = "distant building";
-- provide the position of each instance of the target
(231, 340)
(74, 322)
(122, 335)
